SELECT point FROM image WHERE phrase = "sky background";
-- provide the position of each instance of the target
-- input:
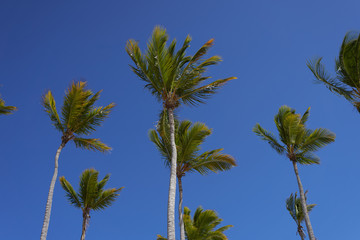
(44, 45)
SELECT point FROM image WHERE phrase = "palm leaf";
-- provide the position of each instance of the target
(318, 69)
(49, 104)
(269, 137)
(70, 192)
(91, 144)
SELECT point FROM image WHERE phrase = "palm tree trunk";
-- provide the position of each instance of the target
(46, 222)
(181, 220)
(303, 204)
(172, 185)
(84, 225)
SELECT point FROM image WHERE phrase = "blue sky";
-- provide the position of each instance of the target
(45, 45)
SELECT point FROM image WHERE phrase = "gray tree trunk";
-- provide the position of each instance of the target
(84, 225)
(172, 185)
(303, 204)
(46, 222)
(181, 217)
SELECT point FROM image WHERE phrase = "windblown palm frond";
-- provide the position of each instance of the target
(346, 82)
(203, 224)
(297, 141)
(171, 76)
(5, 110)
(79, 116)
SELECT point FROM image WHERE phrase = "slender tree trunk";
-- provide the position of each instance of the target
(303, 204)
(84, 225)
(46, 222)
(172, 186)
(181, 217)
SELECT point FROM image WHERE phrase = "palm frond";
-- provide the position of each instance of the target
(106, 198)
(91, 144)
(198, 95)
(305, 116)
(6, 110)
(307, 158)
(213, 161)
(318, 69)
(74, 103)
(159, 237)
(319, 138)
(88, 187)
(94, 118)
(49, 104)
(269, 137)
(70, 192)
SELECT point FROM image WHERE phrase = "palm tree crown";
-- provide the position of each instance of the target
(296, 141)
(79, 116)
(172, 77)
(346, 82)
(203, 224)
(5, 110)
(91, 194)
(293, 205)
(188, 138)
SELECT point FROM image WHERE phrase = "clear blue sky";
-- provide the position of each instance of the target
(44, 45)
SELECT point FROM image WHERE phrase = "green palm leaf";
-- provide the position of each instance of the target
(6, 110)
(91, 144)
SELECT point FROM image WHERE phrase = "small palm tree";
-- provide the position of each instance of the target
(203, 224)
(91, 195)
(293, 205)
(79, 117)
(346, 82)
(188, 140)
(5, 110)
(174, 79)
(298, 143)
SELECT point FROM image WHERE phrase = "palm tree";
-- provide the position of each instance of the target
(79, 117)
(91, 195)
(5, 110)
(188, 140)
(346, 82)
(174, 79)
(203, 224)
(293, 205)
(298, 143)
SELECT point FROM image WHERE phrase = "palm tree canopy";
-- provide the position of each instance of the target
(5, 110)
(171, 76)
(188, 138)
(293, 205)
(203, 224)
(346, 82)
(296, 141)
(91, 194)
(79, 116)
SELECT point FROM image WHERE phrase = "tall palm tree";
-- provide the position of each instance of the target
(79, 117)
(5, 110)
(298, 143)
(203, 224)
(174, 79)
(293, 205)
(91, 195)
(188, 140)
(346, 82)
